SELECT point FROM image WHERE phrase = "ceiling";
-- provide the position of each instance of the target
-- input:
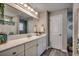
(40, 7)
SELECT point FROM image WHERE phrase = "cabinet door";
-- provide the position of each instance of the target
(21, 54)
(44, 43)
(31, 51)
(31, 48)
(40, 47)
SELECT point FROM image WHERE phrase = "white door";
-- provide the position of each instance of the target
(56, 31)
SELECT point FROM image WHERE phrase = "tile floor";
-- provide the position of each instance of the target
(54, 52)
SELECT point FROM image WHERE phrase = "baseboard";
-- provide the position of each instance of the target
(48, 47)
(64, 50)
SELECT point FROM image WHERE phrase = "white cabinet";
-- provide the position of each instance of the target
(31, 51)
(42, 44)
(36, 47)
(31, 48)
(21, 54)
(40, 47)
(13, 51)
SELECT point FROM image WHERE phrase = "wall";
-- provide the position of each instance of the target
(65, 30)
(43, 19)
(64, 27)
(75, 28)
(9, 11)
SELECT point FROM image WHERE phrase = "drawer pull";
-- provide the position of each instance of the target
(14, 53)
(37, 44)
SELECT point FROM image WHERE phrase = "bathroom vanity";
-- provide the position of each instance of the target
(28, 46)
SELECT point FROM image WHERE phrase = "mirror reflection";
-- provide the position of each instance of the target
(15, 22)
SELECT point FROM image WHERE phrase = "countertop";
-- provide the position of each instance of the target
(13, 43)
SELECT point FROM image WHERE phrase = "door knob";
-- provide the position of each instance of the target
(37, 44)
(14, 53)
(59, 34)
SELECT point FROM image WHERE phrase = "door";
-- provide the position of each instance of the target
(56, 31)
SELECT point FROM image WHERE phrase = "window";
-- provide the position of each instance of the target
(21, 26)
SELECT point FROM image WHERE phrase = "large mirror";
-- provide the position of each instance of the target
(16, 22)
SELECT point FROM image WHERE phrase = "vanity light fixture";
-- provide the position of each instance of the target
(29, 8)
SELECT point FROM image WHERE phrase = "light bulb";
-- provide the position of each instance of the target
(29, 8)
(32, 10)
(22, 3)
(36, 13)
(25, 5)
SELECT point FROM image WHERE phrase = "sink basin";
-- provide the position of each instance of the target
(29, 36)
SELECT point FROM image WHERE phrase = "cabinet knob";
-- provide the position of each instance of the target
(37, 44)
(60, 34)
(14, 53)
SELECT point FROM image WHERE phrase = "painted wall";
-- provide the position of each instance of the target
(75, 28)
(43, 19)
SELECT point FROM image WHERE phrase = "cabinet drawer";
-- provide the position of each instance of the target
(13, 51)
(30, 44)
(31, 51)
(21, 54)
